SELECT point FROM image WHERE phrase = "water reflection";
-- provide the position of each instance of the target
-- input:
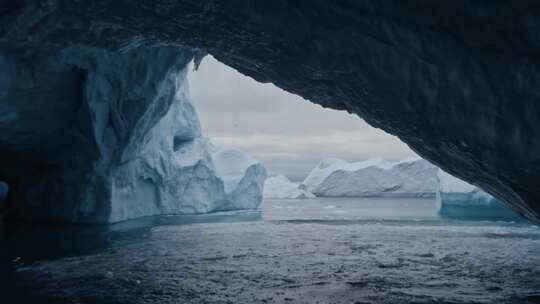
(24, 243)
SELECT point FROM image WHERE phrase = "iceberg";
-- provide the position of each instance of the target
(279, 186)
(243, 179)
(332, 177)
(124, 141)
(461, 200)
(178, 171)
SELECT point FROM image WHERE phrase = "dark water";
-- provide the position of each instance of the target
(293, 251)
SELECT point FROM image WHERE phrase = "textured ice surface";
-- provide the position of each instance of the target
(127, 145)
(459, 199)
(287, 259)
(279, 186)
(178, 171)
(373, 177)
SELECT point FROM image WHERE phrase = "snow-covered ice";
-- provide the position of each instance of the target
(279, 186)
(332, 177)
(459, 199)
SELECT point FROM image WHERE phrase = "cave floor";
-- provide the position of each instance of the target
(276, 257)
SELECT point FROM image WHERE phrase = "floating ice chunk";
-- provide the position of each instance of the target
(243, 179)
(461, 200)
(279, 186)
(231, 165)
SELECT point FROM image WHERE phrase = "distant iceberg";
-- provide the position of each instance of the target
(461, 200)
(243, 179)
(332, 177)
(279, 186)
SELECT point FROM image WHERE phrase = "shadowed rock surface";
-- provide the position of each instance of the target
(4, 189)
(458, 81)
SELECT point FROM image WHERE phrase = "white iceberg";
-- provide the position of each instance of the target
(461, 200)
(279, 186)
(374, 177)
(178, 171)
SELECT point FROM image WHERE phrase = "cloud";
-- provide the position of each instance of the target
(284, 131)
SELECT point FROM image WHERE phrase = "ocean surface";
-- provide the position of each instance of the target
(291, 251)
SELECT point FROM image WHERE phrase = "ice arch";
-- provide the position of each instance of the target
(458, 81)
(113, 136)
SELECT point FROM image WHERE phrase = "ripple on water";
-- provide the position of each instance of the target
(296, 261)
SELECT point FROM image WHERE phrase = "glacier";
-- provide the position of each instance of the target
(333, 177)
(279, 186)
(461, 200)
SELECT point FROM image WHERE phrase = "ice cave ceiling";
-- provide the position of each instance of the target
(458, 81)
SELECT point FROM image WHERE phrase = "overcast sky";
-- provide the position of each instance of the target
(287, 133)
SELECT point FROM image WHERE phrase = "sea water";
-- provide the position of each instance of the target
(324, 250)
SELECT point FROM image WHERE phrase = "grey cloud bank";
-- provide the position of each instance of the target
(287, 133)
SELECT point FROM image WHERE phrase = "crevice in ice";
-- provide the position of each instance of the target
(181, 140)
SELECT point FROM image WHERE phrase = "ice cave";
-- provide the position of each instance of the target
(85, 85)
(98, 126)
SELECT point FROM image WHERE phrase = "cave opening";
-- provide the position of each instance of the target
(332, 248)
(288, 134)
(98, 129)
(329, 243)
(298, 142)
